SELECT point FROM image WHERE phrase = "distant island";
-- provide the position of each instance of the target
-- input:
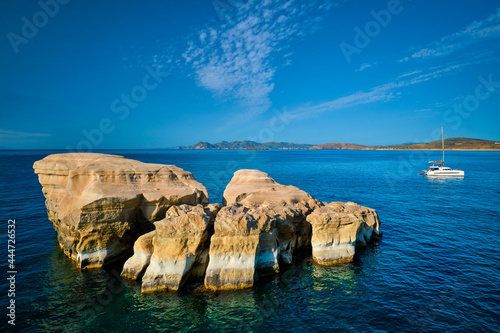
(451, 143)
(351, 146)
(247, 145)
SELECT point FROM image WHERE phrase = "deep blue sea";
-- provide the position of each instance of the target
(436, 269)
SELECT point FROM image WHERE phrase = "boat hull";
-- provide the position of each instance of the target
(445, 174)
(440, 170)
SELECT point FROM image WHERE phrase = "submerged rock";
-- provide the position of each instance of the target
(100, 204)
(338, 227)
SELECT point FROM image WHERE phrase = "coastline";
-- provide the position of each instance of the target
(231, 149)
(344, 149)
(441, 149)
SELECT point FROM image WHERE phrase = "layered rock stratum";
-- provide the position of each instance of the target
(243, 244)
(254, 186)
(103, 205)
(100, 204)
(263, 224)
(338, 227)
(179, 247)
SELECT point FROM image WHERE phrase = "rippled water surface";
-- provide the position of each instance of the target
(437, 267)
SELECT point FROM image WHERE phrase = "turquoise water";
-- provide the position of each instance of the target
(437, 267)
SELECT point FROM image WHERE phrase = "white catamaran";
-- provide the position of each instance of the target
(437, 169)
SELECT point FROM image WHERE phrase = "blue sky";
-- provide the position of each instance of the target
(154, 74)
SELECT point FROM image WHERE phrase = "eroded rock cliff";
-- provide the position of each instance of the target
(135, 267)
(100, 204)
(254, 186)
(244, 243)
(338, 227)
(263, 224)
(179, 248)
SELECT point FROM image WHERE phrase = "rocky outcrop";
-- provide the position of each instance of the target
(176, 250)
(243, 245)
(370, 226)
(100, 204)
(291, 205)
(338, 227)
(254, 186)
(135, 267)
(265, 223)
(180, 245)
(262, 225)
(293, 230)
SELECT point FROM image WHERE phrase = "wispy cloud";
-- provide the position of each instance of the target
(377, 94)
(5, 134)
(474, 33)
(365, 66)
(238, 59)
(409, 74)
(434, 73)
(381, 93)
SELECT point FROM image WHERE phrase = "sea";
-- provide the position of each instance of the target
(436, 268)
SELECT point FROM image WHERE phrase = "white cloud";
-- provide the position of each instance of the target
(365, 66)
(6, 134)
(381, 93)
(474, 33)
(435, 73)
(409, 74)
(238, 59)
(377, 94)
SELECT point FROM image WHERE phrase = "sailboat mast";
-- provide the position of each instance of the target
(442, 141)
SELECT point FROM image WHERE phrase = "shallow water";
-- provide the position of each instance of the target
(435, 269)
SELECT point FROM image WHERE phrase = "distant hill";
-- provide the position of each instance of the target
(285, 145)
(247, 144)
(452, 143)
(340, 146)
